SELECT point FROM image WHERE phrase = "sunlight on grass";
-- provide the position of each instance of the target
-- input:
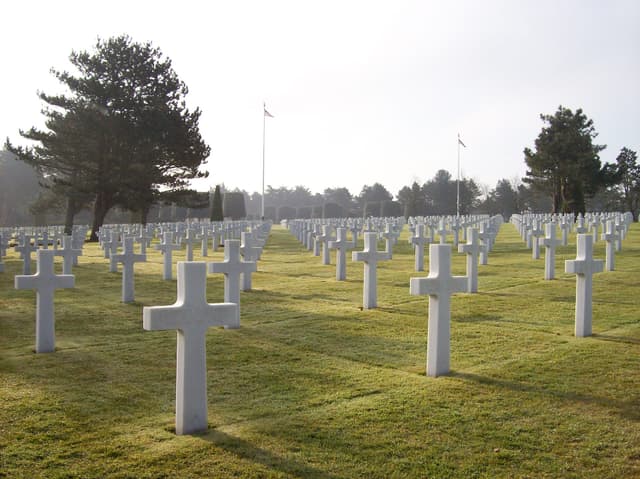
(313, 386)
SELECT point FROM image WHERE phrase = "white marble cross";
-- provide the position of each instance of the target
(418, 240)
(472, 249)
(584, 266)
(565, 226)
(442, 231)
(390, 238)
(536, 232)
(191, 315)
(439, 285)
(250, 253)
(550, 242)
(69, 255)
(45, 282)
(25, 250)
(190, 240)
(325, 237)
(128, 258)
(341, 245)
(166, 248)
(204, 238)
(610, 236)
(232, 267)
(370, 255)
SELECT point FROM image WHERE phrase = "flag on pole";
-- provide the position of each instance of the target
(266, 113)
(460, 141)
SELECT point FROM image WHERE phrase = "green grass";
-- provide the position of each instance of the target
(312, 386)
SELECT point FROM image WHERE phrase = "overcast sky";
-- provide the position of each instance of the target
(360, 91)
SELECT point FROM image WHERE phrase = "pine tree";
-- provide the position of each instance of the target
(216, 206)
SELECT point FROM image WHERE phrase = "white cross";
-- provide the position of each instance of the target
(325, 237)
(250, 253)
(439, 285)
(472, 248)
(565, 226)
(191, 315)
(442, 231)
(128, 258)
(69, 255)
(25, 250)
(390, 238)
(370, 255)
(204, 238)
(550, 242)
(341, 245)
(166, 248)
(610, 236)
(584, 266)
(536, 232)
(418, 240)
(232, 267)
(45, 282)
(190, 240)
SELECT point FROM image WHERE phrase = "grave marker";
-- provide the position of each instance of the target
(191, 316)
(232, 267)
(45, 282)
(584, 267)
(439, 285)
(370, 255)
(128, 258)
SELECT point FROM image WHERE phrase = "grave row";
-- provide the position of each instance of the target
(191, 315)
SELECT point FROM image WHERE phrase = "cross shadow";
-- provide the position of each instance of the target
(617, 339)
(250, 452)
(627, 409)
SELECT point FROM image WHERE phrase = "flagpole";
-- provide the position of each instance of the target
(264, 118)
(458, 182)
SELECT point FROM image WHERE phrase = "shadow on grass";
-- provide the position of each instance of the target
(627, 409)
(246, 450)
(616, 339)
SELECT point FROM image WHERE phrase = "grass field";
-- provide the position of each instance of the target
(312, 386)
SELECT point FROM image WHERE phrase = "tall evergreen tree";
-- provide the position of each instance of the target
(566, 163)
(216, 206)
(628, 174)
(128, 105)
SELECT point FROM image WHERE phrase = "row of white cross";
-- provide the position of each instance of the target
(191, 315)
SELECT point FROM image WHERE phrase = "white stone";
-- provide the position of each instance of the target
(25, 249)
(418, 240)
(370, 255)
(550, 242)
(584, 266)
(341, 245)
(472, 249)
(190, 240)
(191, 316)
(536, 233)
(325, 237)
(250, 253)
(439, 285)
(68, 253)
(232, 267)
(390, 238)
(45, 282)
(128, 258)
(610, 236)
(204, 241)
(166, 248)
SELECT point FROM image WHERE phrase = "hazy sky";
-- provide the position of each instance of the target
(361, 91)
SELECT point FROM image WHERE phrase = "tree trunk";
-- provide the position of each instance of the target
(100, 210)
(69, 215)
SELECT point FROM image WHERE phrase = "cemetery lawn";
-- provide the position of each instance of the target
(311, 386)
